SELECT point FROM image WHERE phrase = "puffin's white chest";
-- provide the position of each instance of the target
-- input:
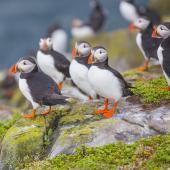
(79, 75)
(105, 83)
(160, 54)
(23, 86)
(82, 32)
(47, 65)
(139, 43)
(128, 11)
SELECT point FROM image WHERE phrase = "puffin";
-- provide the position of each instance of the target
(58, 37)
(38, 88)
(52, 63)
(79, 68)
(106, 81)
(163, 31)
(130, 11)
(94, 24)
(147, 45)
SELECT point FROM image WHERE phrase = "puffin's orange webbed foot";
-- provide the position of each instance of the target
(30, 116)
(108, 114)
(102, 111)
(47, 112)
(142, 69)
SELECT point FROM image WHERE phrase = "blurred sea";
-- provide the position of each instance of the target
(23, 22)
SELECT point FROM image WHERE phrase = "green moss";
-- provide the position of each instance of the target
(151, 153)
(6, 124)
(26, 140)
(152, 91)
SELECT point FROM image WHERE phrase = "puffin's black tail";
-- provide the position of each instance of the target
(55, 99)
(127, 92)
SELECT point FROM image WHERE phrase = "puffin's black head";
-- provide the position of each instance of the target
(95, 4)
(25, 65)
(53, 28)
(140, 24)
(45, 44)
(162, 31)
(81, 49)
(98, 55)
(129, 1)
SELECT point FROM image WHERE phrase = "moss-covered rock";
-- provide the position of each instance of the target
(27, 139)
(151, 153)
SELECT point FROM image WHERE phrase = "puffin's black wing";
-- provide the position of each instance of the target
(166, 62)
(125, 85)
(61, 63)
(42, 87)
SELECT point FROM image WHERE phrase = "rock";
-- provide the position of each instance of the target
(26, 140)
(82, 126)
(159, 119)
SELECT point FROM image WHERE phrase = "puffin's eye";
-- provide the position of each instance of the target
(24, 63)
(140, 21)
(84, 46)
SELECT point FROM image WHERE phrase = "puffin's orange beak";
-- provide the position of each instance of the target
(13, 69)
(90, 59)
(132, 27)
(74, 53)
(155, 34)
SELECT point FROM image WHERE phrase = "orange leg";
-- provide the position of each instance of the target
(60, 86)
(106, 103)
(110, 113)
(144, 67)
(30, 116)
(47, 112)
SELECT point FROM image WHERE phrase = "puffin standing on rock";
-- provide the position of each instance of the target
(147, 45)
(37, 87)
(163, 31)
(79, 68)
(106, 81)
(52, 63)
(131, 11)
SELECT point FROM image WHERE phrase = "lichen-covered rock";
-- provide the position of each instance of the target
(26, 140)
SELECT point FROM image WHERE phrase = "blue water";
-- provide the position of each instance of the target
(24, 22)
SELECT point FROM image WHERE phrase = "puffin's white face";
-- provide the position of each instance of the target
(141, 23)
(45, 44)
(25, 66)
(83, 48)
(99, 55)
(163, 31)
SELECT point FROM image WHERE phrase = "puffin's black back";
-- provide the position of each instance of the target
(149, 44)
(43, 89)
(61, 63)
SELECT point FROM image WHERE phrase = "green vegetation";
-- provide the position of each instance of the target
(152, 91)
(6, 124)
(151, 153)
(162, 6)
